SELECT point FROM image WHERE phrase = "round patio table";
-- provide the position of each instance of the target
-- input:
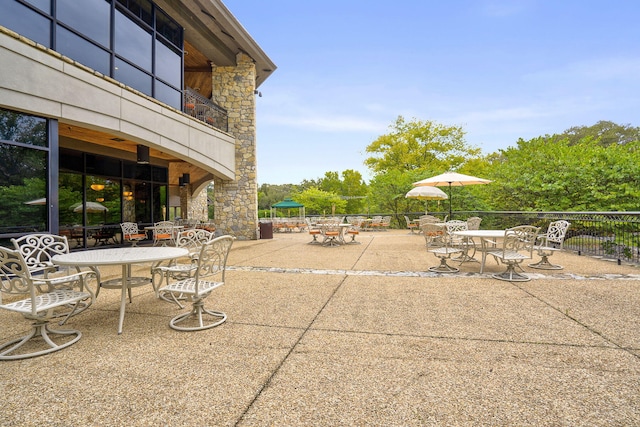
(124, 257)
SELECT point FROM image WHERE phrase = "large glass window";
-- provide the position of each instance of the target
(83, 51)
(91, 19)
(131, 76)
(97, 193)
(141, 9)
(122, 47)
(168, 64)
(44, 5)
(26, 22)
(23, 173)
(132, 42)
(168, 95)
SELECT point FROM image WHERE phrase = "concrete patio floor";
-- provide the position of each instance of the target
(355, 335)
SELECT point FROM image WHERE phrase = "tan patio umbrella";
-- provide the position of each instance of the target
(42, 201)
(92, 207)
(426, 193)
(451, 179)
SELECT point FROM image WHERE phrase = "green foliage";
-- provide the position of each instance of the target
(553, 173)
(586, 168)
(606, 133)
(320, 202)
(14, 208)
(388, 192)
(351, 188)
(419, 145)
(271, 194)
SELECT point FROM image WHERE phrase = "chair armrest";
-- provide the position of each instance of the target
(59, 282)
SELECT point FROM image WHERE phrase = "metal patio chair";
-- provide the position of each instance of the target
(192, 240)
(517, 246)
(45, 295)
(548, 243)
(209, 275)
(445, 251)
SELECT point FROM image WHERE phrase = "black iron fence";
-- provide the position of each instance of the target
(205, 110)
(613, 235)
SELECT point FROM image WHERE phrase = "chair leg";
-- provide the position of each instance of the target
(544, 264)
(40, 329)
(444, 267)
(353, 240)
(196, 313)
(511, 275)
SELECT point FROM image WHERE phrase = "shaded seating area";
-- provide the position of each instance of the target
(131, 233)
(288, 223)
(164, 233)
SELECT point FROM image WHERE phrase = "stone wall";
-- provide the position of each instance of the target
(236, 202)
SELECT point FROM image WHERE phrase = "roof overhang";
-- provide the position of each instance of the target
(212, 29)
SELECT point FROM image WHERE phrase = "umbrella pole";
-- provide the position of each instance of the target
(450, 216)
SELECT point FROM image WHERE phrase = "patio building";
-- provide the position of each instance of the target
(133, 105)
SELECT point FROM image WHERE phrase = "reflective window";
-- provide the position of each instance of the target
(132, 76)
(85, 33)
(23, 128)
(132, 42)
(79, 49)
(44, 5)
(168, 95)
(70, 198)
(168, 64)
(103, 201)
(26, 22)
(23, 175)
(101, 165)
(141, 9)
(91, 20)
(168, 28)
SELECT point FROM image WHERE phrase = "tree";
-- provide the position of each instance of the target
(351, 188)
(354, 191)
(319, 202)
(388, 190)
(420, 145)
(554, 173)
(605, 132)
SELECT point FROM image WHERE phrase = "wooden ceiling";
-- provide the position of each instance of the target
(107, 140)
(197, 71)
(109, 143)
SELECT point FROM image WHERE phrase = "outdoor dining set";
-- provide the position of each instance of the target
(460, 241)
(44, 280)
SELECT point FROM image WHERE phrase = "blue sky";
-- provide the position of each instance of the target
(501, 69)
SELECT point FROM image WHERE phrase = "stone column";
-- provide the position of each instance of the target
(236, 202)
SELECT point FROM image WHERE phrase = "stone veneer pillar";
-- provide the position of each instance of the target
(236, 202)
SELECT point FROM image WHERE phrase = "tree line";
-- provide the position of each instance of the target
(585, 168)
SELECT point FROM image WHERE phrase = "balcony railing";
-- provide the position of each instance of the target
(205, 110)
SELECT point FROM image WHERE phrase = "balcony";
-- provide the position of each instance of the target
(205, 110)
